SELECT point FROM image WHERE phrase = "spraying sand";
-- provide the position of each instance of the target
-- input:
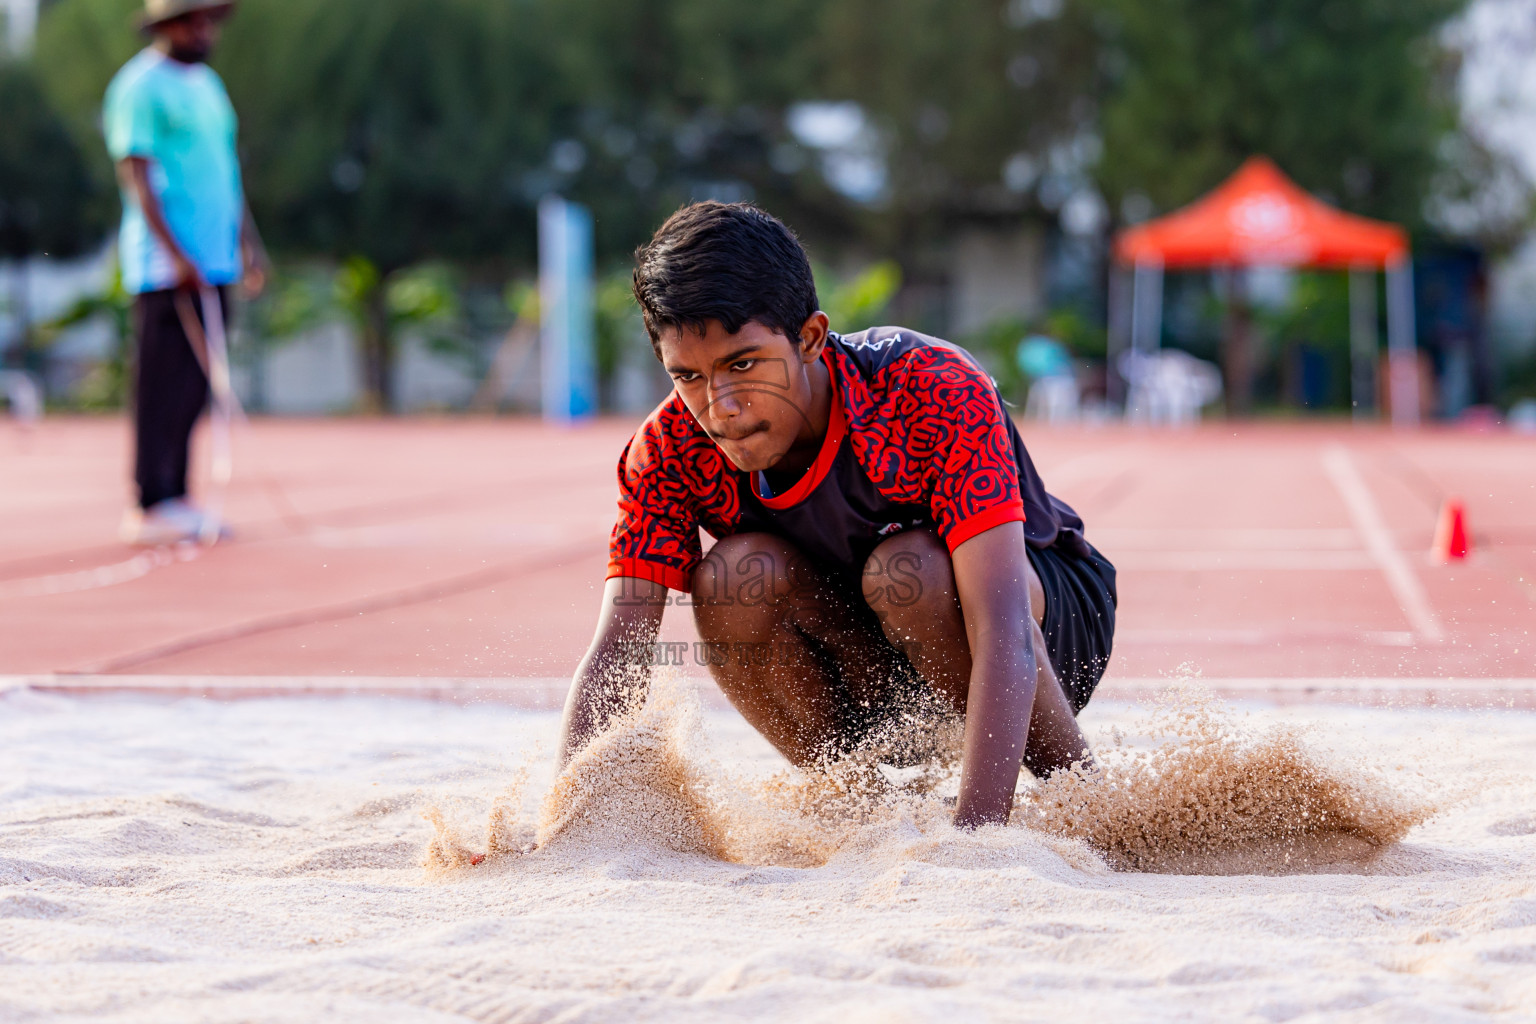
(263, 861)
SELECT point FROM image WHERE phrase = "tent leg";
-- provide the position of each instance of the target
(1362, 342)
(1237, 343)
(1402, 355)
(1136, 289)
(1155, 300)
(1147, 307)
(1119, 334)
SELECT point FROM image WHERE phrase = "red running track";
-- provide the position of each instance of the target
(474, 549)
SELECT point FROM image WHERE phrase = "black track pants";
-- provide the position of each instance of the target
(169, 392)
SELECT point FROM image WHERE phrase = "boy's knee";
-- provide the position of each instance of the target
(746, 569)
(1037, 638)
(908, 570)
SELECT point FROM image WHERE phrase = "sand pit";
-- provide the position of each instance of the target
(270, 861)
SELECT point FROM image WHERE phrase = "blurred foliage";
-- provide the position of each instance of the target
(387, 136)
(1083, 338)
(48, 201)
(411, 130)
(994, 345)
(521, 299)
(618, 328)
(1313, 325)
(1317, 314)
(1517, 378)
(106, 385)
(857, 302)
(297, 298)
(422, 300)
(978, 104)
(997, 345)
(1355, 100)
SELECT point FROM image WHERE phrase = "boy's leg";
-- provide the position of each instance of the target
(170, 390)
(788, 647)
(909, 581)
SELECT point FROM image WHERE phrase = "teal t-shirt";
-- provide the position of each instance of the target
(179, 118)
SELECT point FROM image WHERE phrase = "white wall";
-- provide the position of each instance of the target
(314, 373)
(996, 274)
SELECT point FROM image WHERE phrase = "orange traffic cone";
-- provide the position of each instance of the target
(1451, 542)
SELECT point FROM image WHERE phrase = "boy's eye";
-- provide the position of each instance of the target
(743, 365)
(685, 378)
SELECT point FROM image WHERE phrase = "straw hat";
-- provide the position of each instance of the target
(157, 11)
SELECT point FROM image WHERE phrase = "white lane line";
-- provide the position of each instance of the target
(1125, 538)
(85, 579)
(447, 534)
(1515, 684)
(1367, 519)
(543, 693)
(532, 693)
(1220, 561)
(1264, 637)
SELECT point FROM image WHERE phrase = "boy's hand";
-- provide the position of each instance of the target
(255, 266)
(254, 281)
(188, 277)
(992, 578)
(1017, 713)
(630, 618)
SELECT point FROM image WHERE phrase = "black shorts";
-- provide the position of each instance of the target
(1079, 631)
(1079, 624)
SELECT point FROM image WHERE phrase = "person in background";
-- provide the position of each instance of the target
(186, 229)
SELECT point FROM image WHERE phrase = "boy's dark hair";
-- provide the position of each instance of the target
(730, 262)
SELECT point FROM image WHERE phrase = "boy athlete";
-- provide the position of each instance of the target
(879, 525)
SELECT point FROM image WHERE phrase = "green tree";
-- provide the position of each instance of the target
(374, 133)
(106, 385)
(1352, 99)
(651, 103)
(1316, 322)
(386, 133)
(79, 47)
(1355, 100)
(398, 133)
(48, 202)
(983, 107)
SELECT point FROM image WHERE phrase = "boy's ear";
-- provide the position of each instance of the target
(813, 336)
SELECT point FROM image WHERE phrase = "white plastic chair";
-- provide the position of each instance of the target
(1053, 399)
(1168, 387)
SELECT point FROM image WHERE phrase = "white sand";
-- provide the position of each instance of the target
(261, 861)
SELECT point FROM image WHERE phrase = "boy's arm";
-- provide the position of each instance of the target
(253, 256)
(134, 172)
(991, 576)
(605, 682)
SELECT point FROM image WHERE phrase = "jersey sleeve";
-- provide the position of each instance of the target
(129, 119)
(973, 478)
(656, 536)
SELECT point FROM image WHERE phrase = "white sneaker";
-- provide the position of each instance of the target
(169, 522)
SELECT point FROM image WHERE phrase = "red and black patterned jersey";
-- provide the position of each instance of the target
(917, 437)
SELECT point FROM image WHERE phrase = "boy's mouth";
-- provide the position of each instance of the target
(723, 438)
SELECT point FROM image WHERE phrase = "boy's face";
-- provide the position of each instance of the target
(750, 391)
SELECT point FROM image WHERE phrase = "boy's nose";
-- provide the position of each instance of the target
(727, 401)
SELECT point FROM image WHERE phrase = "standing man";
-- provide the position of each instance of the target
(187, 235)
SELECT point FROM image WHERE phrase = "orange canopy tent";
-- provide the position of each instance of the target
(1259, 217)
